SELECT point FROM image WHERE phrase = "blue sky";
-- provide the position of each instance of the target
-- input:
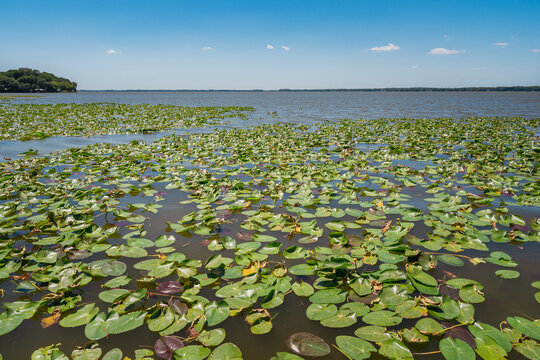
(221, 44)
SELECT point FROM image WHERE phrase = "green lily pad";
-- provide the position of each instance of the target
(306, 344)
(191, 352)
(456, 350)
(212, 337)
(320, 311)
(329, 296)
(9, 322)
(373, 333)
(527, 327)
(507, 274)
(382, 318)
(226, 351)
(395, 349)
(82, 317)
(354, 347)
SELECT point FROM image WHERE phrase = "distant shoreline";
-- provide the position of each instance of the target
(410, 89)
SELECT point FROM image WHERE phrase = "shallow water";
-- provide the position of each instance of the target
(300, 108)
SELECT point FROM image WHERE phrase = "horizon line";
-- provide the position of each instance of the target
(391, 89)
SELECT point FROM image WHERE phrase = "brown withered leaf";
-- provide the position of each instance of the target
(51, 320)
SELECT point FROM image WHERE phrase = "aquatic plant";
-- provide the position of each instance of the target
(32, 121)
(378, 228)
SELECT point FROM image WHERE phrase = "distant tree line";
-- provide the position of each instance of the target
(26, 80)
(496, 88)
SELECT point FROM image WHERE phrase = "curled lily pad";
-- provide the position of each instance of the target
(165, 346)
(306, 344)
(169, 287)
(460, 333)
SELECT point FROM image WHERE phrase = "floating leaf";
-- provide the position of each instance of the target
(428, 326)
(113, 354)
(226, 351)
(373, 333)
(395, 349)
(82, 317)
(306, 344)
(527, 327)
(212, 337)
(382, 318)
(169, 287)
(456, 350)
(165, 346)
(192, 352)
(355, 348)
(216, 312)
(507, 274)
(9, 322)
(113, 268)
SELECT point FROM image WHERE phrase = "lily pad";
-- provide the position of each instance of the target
(306, 344)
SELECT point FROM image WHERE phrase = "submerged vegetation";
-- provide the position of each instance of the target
(25, 80)
(30, 121)
(379, 228)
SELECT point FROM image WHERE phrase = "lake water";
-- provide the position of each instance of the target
(298, 107)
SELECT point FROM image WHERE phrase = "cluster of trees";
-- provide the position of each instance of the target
(26, 80)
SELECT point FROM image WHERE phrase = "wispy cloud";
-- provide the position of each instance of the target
(443, 51)
(286, 48)
(389, 47)
(111, 51)
(535, 50)
(270, 47)
(415, 67)
(206, 48)
(501, 44)
(483, 68)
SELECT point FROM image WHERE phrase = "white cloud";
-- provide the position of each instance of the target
(286, 48)
(483, 68)
(535, 50)
(206, 48)
(415, 67)
(501, 44)
(269, 47)
(111, 51)
(389, 47)
(443, 51)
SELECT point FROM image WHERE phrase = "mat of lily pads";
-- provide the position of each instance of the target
(364, 227)
(32, 121)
